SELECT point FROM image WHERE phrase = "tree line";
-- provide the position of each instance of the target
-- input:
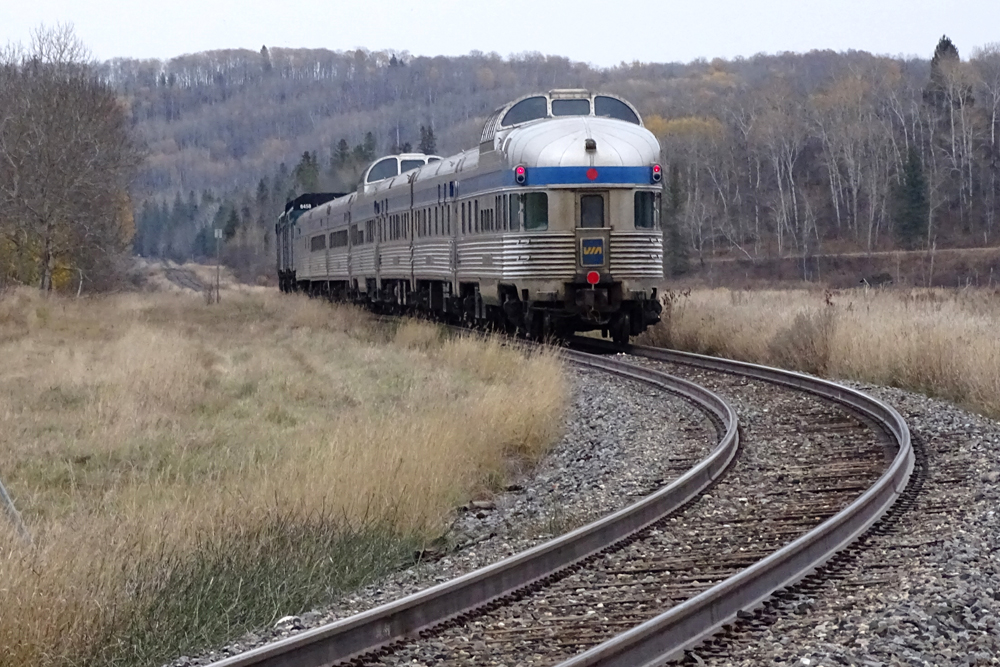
(784, 155)
(877, 154)
(791, 154)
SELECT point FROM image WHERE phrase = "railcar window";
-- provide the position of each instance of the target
(383, 169)
(437, 229)
(463, 217)
(570, 107)
(338, 239)
(645, 210)
(612, 108)
(475, 216)
(515, 212)
(532, 108)
(318, 243)
(592, 211)
(536, 211)
(410, 164)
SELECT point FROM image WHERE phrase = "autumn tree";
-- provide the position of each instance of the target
(67, 159)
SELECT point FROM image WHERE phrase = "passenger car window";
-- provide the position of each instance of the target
(592, 211)
(612, 108)
(570, 107)
(532, 108)
(536, 211)
(410, 164)
(645, 210)
(515, 213)
(383, 169)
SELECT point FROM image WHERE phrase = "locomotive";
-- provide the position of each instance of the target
(550, 226)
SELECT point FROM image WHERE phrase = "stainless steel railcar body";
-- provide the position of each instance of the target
(551, 224)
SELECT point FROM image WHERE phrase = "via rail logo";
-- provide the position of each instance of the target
(592, 252)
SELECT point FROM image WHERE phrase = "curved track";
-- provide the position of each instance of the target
(566, 596)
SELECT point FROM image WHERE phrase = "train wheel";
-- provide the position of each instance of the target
(621, 329)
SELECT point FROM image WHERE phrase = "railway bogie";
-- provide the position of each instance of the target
(550, 226)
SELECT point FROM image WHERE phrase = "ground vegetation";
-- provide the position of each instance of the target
(189, 472)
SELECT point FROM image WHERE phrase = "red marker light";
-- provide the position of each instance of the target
(656, 168)
(657, 173)
(520, 174)
(592, 174)
(593, 277)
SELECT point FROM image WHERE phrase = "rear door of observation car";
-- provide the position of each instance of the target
(592, 231)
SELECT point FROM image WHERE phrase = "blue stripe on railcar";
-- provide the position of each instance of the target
(587, 175)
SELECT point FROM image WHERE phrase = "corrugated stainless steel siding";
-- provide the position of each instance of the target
(480, 258)
(363, 260)
(394, 260)
(636, 254)
(337, 264)
(432, 259)
(545, 256)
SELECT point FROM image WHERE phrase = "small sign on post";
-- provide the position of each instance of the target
(218, 241)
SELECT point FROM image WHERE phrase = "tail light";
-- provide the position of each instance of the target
(657, 173)
(520, 174)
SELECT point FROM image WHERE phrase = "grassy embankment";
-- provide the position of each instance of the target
(939, 342)
(188, 472)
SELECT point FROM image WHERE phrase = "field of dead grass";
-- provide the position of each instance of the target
(939, 342)
(188, 472)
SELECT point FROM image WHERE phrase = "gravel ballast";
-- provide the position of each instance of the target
(924, 590)
(622, 440)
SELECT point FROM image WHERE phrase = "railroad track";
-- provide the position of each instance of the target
(184, 278)
(646, 583)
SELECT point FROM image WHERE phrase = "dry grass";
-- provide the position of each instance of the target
(939, 342)
(190, 471)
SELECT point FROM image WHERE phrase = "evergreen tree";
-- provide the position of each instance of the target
(370, 147)
(428, 144)
(676, 256)
(263, 195)
(341, 154)
(944, 54)
(265, 57)
(911, 204)
(232, 223)
(307, 173)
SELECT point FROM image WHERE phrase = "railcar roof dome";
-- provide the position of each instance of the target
(556, 103)
(394, 165)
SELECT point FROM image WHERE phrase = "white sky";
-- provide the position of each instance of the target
(602, 33)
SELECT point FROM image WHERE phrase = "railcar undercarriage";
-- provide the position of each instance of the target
(584, 307)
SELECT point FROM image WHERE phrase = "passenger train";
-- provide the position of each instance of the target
(550, 226)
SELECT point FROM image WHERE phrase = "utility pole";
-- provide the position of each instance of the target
(218, 269)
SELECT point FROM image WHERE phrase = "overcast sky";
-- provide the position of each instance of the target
(603, 33)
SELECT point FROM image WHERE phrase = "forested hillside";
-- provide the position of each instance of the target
(768, 156)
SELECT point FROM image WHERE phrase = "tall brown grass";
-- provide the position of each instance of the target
(189, 471)
(939, 342)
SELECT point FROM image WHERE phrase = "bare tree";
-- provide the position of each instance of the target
(67, 158)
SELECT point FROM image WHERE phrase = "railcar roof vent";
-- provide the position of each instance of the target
(590, 144)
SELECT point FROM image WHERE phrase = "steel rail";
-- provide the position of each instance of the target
(408, 616)
(666, 636)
